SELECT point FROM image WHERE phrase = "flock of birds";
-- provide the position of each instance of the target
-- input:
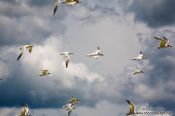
(69, 107)
(164, 43)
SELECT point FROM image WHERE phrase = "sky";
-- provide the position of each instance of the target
(121, 28)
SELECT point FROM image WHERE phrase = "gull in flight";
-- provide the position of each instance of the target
(96, 54)
(137, 71)
(44, 73)
(24, 111)
(139, 57)
(74, 100)
(67, 2)
(69, 107)
(164, 42)
(67, 57)
(132, 108)
(22, 49)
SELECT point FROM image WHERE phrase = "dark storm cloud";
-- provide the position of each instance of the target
(155, 13)
(35, 91)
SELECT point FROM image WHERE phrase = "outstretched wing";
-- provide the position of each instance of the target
(55, 9)
(19, 56)
(157, 38)
(165, 38)
(30, 49)
(131, 107)
(69, 112)
(67, 63)
(70, 0)
(56, 3)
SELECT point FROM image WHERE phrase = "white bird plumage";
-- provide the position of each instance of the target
(44, 73)
(24, 111)
(96, 54)
(137, 71)
(67, 57)
(139, 57)
(69, 107)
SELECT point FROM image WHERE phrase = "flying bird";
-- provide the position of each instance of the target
(44, 73)
(22, 49)
(24, 111)
(164, 42)
(69, 107)
(137, 71)
(67, 57)
(96, 54)
(67, 2)
(74, 100)
(132, 108)
(139, 57)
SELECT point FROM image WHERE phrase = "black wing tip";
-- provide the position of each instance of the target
(156, 38)
(55, 9)
(18, 58)
(128, 101)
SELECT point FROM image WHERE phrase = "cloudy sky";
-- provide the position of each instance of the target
(120, 27)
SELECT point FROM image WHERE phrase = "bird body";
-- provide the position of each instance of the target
(45, 73)
(139, 57)
(164, 42)
(96, 54)
(137, 71)
(67, 57)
